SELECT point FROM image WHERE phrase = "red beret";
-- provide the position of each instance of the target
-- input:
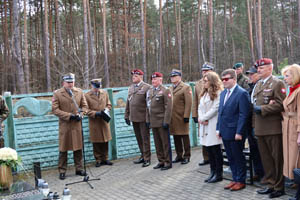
(137, 72)
(263, 61)
(156, 74)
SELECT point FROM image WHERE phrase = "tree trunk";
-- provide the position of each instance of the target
(178, 31)
(198, 34)
(160, 35)
(46, 47)
(16, 51)
(86, 46)
(106, 67)
(91, 42)
(250, 30)
(59, 38)
(259, 31)
(210, 28)
(299, 23)
(143, 39)
(26, 66)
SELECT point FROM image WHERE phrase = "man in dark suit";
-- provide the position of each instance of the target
(232, 120)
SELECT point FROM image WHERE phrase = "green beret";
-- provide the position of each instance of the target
(237, 65)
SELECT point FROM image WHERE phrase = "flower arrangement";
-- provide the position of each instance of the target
(9, 157)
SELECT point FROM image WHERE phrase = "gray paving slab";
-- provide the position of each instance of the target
(125, 180)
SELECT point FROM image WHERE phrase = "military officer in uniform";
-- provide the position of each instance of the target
(99, 107)
(4, 112)
(159, 110)
(242, 80)
(135, 112)
(267, 99)
(66, 104)
(206, 67)
(181, 111)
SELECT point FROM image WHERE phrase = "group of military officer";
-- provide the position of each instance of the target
(166, 111)
(70, 104)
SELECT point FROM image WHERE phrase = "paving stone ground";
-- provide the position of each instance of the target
(125, 180)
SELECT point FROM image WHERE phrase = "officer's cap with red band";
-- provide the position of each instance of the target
(137, 72)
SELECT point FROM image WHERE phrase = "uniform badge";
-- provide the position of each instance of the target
(283, 90)
(169, 95)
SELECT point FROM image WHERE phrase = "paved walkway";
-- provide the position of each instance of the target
(125, 180)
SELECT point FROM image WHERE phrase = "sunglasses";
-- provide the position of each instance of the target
(226, 79)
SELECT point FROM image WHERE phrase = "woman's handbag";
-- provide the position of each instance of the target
(296, 171)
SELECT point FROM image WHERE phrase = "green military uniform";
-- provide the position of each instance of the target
(243, 81)
(3, 115)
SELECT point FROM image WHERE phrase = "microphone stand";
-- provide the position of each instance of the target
(86, 178)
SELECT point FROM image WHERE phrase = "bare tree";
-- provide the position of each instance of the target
(86, 46)
(250, 30)
(46, 47)
(26, 66)
(106, 67)
(259, 31)
(160, 35)
(198, 34)
(91, 41)
(59, 37)
(210, 27)
(143, 43)
(16, 47)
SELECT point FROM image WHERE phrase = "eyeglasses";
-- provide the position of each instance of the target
(226, 79)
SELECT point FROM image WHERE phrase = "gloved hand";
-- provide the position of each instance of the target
(148, 125)
(73, 117)
(195, 119)
(76, 117)
(98, 114)
(127, 122)
(186, 120)
(165, 125)
(257, 109)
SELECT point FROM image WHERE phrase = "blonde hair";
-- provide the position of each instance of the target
(294, 70)
(215, 85)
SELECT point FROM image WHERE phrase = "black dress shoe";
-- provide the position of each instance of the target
(158, 166)
(265, 191)
(80, 173)
(177, 160)
(98, 164)
(185, 161)
(166, 167)
(146, 163)
(215, 178)
(62, 176)
(210, 176)
(106, 162)
(276, 193)
(204, 162)
(139, 161)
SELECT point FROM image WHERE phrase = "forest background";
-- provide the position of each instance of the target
(43, 39)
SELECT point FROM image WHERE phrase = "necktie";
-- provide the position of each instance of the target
(227, 96)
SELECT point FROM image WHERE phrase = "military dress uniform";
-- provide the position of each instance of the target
(135, 111)
(4, 112)
(269, 131)
(70, 135)
(99, 127)
(179, 128)
(159, 110)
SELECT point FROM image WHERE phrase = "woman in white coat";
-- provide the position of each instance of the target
(207, 118)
